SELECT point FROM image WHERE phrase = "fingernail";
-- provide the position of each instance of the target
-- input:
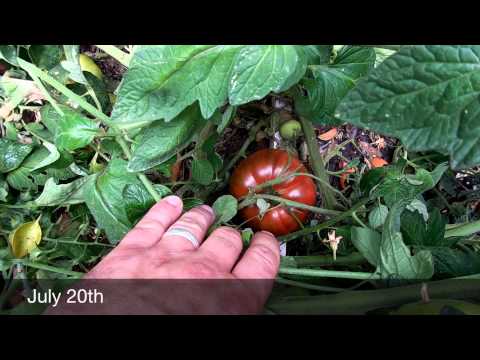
(207, 208)
(173, 200)
(267, 233)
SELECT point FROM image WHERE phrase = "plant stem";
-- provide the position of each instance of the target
(78, 242)
(326, 224)
(317, 164)
(326, 260)
(362, 301)
(287, 202)
(251, 137)
(330, 273)
(122, 57)
(308, 286)
(141, 176)
(54, 269)
(33, 70)
(464, 229)
(360, 222)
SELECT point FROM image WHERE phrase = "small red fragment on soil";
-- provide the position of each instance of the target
(377, 162)
(344, 176)
(328, 135)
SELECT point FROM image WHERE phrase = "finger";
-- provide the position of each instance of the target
(223, 247)
(261, 260)
(155, 222)
(196, 222)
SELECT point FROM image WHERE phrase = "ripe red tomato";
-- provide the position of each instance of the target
(265, 165)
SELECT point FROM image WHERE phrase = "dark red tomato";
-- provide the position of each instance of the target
(265, 165)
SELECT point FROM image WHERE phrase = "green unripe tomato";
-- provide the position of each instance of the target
(290, 129)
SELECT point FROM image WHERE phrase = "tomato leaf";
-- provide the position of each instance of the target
(104, 198)
(328, 84)
(417, 231)
(20, 178)
(225, 208)
(426, 95)
(162, 80)
(377, 216)
(367, 242)
(190, 203)
(420, 207)
(138, 200)
(3, 190)
(53, 155)
(71, 131)
(453, 262)
(12, 153)
(318, 54)
(161, 140)
(72, 64)
(202, 171)
(63, 194)
(395, 187)
(45, 57)
(9, 54)
(395, 258)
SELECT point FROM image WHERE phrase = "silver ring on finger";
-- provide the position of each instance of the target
(186, 234)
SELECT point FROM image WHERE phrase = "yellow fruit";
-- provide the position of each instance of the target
(439, 307)
(25, 238)
(88, 65)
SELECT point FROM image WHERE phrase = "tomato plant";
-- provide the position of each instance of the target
(266, 165)
(92, 136)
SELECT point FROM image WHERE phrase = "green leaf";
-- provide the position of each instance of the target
(396, 186)
(377, 216)
(190, 203)
(72, 64)
(261, 69)
(328, 84)
(417, 205)
(72, 131)
(53, 156)
(417, 231)
(63, 194)
(453, 262)
(225, 208)
(138, 200)
(162, 80)
(318, 54)
(20, 178)
(9, 54)
(202, 171)
(104, 198)
(12, 153)
(395, 258)
(367, 242)
(98, 87)
(3, 190)
(226, 118)
(427, 96)
(161, 140)
(45, 56)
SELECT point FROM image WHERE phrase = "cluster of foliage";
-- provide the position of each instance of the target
(82, 157)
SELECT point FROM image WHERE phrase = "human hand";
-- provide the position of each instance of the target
(212, 278)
